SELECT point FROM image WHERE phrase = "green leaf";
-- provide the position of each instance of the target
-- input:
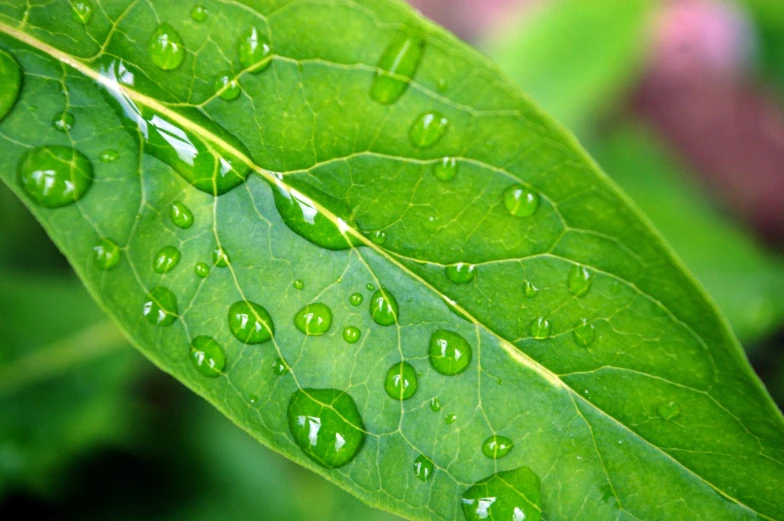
(618, 384)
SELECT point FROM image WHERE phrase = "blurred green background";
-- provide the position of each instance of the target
(680, 101)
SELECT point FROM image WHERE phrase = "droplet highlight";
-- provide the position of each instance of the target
(254, 50)
(109, 156)
(579, 281)
(384, 308)
(401, 381)
(82, 11)
(435, 404)
(540, 329)
(207, 356)
(461, 273)
(450, 353)
(668, 410)
(55, 176)
(378, 237)
(446, 169)
(201, 270)
(199, 13)
(450, 419)
(423, 468)
(529, 289)
(314, 319)
(227, 87)
(298, 284)
(10, 82)
(513, 495)
(160, 307)
(356, 299)
(250, 323)
(521, 201)
(166, 259)
(351, 334)
(166, 47)
(63, 121)
(428, 129)
(279, 367)
(220, 259)
(180, 215)
(106, 254)
(496, 447)
(396, 67)
(584, 334)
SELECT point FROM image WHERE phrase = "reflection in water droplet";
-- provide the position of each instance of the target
(180, 215)
(584, 333)
(201, 270)
(396, 67)
(378, 237)
(435, 404)
(298, 284)
(370, 287)
(63, 121)
(55, 176)
(529, 289)
(109, 155)
(166, 259)
(423, 468)
(314, 319)
(167, 50)
(220, 258)
(461, 273)
(351, 334)
(227, 86)
(11, 82)
(82, 11)
(207, 356)
(450, 419)
(540, 329)
(384, 308)
(521, 201)
(496, 447)
(254, 50)
(450, 353)
(356, 299)
(199, 13)
(401, 381)
(160, 307)
(326, 425)
(279, 367)
(580, 280)
(106, 254)
(668, 410)
(250, 323)
(446, 169)
(428, 129)
(513, 495)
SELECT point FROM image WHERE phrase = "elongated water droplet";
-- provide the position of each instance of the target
(580, 280)
(166, 48)
(378, 237)
(423, 468)
(166, 259)
(351, 334)
(446, 169)
(396, 67)
(106, 254)
(668, 410)
(280, 367)
(254, 50)
(450, 419)
(314, 319)
(450, 353)
(180, 215)
(529, 289)
(160, 307)
(250, 323)
(82, 11)
(435, 404)
(584, 333)
(109, 155)
(513, 495)
(370, 287)
(428, 129)
(298, 284)
(384, 308)
(227, 86)
(55, 176)
(356, 299)
(63, 121)
(521, 201)
(201, 270)
(401, 381)
(326, 425)
(10, 82)
(220, 259)
(199, 13)
(496, 447)
(207, 356)
(461, 273)
(540, 329)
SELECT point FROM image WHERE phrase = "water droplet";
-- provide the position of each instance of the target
(166, 259)
(254, 50)
(253, 399)
(580, 280)
(356, 299)
(668, 410)
(496, 447)
(401, 381)
(423, 468)
(228, 86)
(396, 67)
(82, 11)
(279, 367)
(540, 329)
(443, 84)
(160, 307)
(55, 176)
(207, 356)
(326, 425)
(370, 287)
(450, 419)
(529, 289)
(384, 308)
(314, 319)
(199, 13)
(435, 405)
(378, 237)
(446, 169)
(11, 81)
(461, 273)
(106, 254)
(521, 201)
(180, 215)
(250, 323)
(428, 129)
(220, 259)
(166, 47)
(513, 495)
(63, 121)
(584, 334)
(615, 288)
(450, 353)
(109, 155)
(201, 270)
(351, 334)
(298, 284)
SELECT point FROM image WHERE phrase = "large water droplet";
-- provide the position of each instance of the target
(351, 334)
(254, 50)
(384, 308)
(55, 175)
(446, 169)
(529, 289)
(166, 259)
(201, 270)
(521, 201)
(207, 356)
(668, 410)
(220, 259)
(10, 82)
(63, 121)
(199, 13)
(496, 447)
(314, 319)
(326, 425)
(227, 86)
(396, 67)
(540, 329)
(82, 11)
(280, 367)
(401, 381)
(450, 353)
(580, 280)
(109, 155)
(167, 50)
(180, 215)
(423, 468)
(513, 495)
(106, 254)
(461, 273)
(250, 323)
(356, 299)
(435, 404)
(160, 307)
(584, 334)
(428, 129)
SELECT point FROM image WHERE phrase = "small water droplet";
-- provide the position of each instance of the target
(55, 176)
(253, 399)
(279, 367)
(250, 323)
(446, 169)
(326, 425)
(180, 215)
(450, 419)
(396, 67)
(160, 307)
(615, 288)
(540, 329)
(82, 11)
(435, 405)
(401, 381)
(167, 50)
(220, 258)
(356, 299)
(298, 284)
(428, 129)
(496, 447)
(109, 155)
(443, 84)
(166, 259)
(378, 237)
(199, 13)
(580, 280)
(351, 334)
(384, 308)
(227, 86)
(423, 468)
(11, 81)
(668, 410)
(254, 50)
(529, 289)
(370, 287)
(207, 356)
(584, 334)
(106, 254)
(201, 270)
(63, 121)
(461, 273)
(521, 201)
(513, 495)
(450, 353)
(314, 319)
